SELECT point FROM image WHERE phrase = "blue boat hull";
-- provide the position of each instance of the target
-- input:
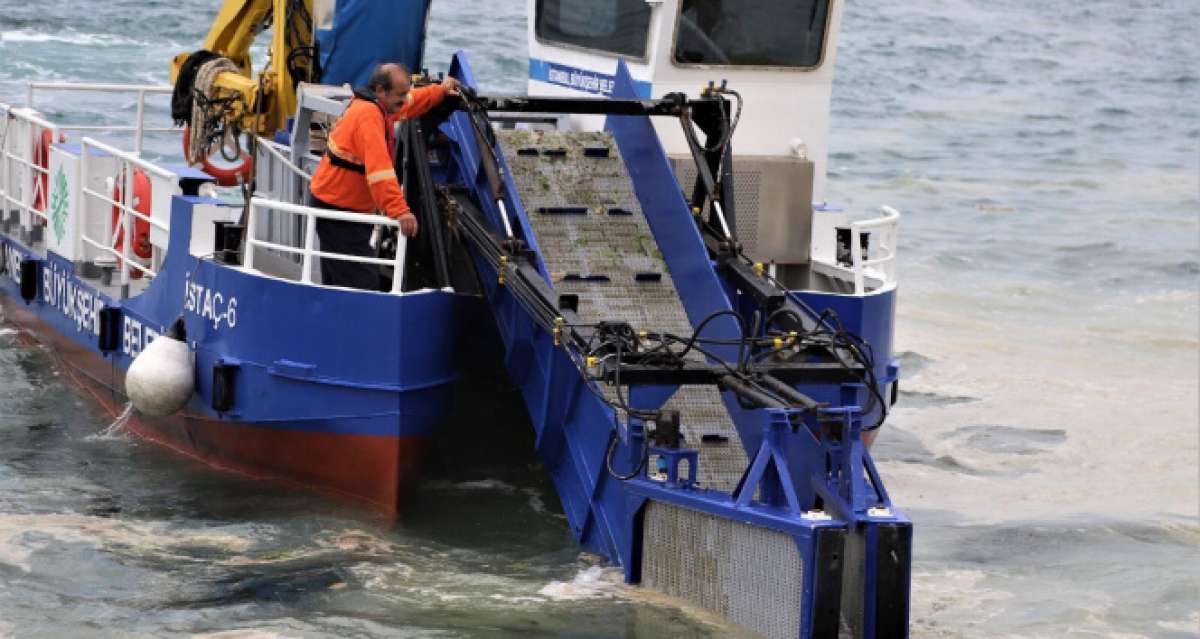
(336, 390)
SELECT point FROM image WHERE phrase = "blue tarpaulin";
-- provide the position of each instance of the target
(367, 32)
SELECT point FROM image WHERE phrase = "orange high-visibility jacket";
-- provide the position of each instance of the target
(363, 136)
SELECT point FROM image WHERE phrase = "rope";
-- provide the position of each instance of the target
(202, 128)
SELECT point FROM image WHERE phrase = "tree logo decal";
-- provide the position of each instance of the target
(58, 204)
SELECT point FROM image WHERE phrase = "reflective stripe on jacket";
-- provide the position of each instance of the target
(362, 136)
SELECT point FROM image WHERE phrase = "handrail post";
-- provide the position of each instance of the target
(398, 264)
(81, 199)
(251, 217)
(310, 235)
(141, 110)
(24, 138)
(856, 258)
(126, 222)
(4, 163)
(29, 93)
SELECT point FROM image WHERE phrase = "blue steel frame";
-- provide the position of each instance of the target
(800, 468)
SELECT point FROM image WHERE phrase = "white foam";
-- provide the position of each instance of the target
(23, 535)
(486, 484)
(67, 37)
(5, 332)
(359, 542)
(434, 593)
(593, 582)
(1168, 297)
(535, 500)
(1183, 626)
(517, 599)
(383, 576)
(246, 633)
(952, 597)
(476, 484)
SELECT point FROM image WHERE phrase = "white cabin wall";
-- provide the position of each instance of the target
(584, 59)
(782, 107)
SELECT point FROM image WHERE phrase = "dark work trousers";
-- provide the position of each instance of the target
(350, 238)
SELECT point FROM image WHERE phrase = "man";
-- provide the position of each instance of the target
(358, 172)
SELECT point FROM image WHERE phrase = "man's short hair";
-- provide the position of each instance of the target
(382, 75)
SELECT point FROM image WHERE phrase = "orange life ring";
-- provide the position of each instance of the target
(141, 228)
(227, 173)
(41, 178)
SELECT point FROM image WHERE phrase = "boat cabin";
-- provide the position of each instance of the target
(777, 54)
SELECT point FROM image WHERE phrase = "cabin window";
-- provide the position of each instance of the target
(774, 33)
(612, 26)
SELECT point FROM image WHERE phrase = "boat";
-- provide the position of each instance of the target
(702, 344)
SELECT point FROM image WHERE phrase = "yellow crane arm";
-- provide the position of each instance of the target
(270, 99)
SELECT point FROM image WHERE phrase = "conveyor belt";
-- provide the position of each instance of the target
(596, 243)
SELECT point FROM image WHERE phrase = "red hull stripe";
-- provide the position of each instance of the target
(374, 469)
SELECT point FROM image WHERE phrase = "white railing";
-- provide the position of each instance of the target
(272, 148)
(21, 131)
(139, 127)
(310, 216)
(882, 266)
(128, 163)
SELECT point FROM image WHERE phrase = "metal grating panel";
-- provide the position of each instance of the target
(750, 575)
(747, 192)
(596, 243)
(747, 187)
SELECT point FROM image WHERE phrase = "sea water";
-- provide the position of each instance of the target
(1045, 155)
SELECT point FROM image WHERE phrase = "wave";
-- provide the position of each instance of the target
(68, 37)
(1169, 297)
(24, 536)
(593, 582)
(533, 496)
(476, 484)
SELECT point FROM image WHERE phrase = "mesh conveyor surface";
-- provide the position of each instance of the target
(747, 574)
(618, 247)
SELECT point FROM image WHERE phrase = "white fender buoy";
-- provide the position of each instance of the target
(161, 380)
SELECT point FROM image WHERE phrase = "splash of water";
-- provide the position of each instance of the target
(117, 427)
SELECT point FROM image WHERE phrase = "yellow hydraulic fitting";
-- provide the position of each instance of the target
(503, 269)
(696, 211)
(758, 269)
(642, 334)
(778, 343)
(558, 328)
(592, 361)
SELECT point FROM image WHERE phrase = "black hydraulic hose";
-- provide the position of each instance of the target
(715, 314)
(793, 395)
(733, 123)
(755, 395)
(417, 158)
(612, 448)
(783, 311)
(829, 323)
(491, 165)
(752, 338)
